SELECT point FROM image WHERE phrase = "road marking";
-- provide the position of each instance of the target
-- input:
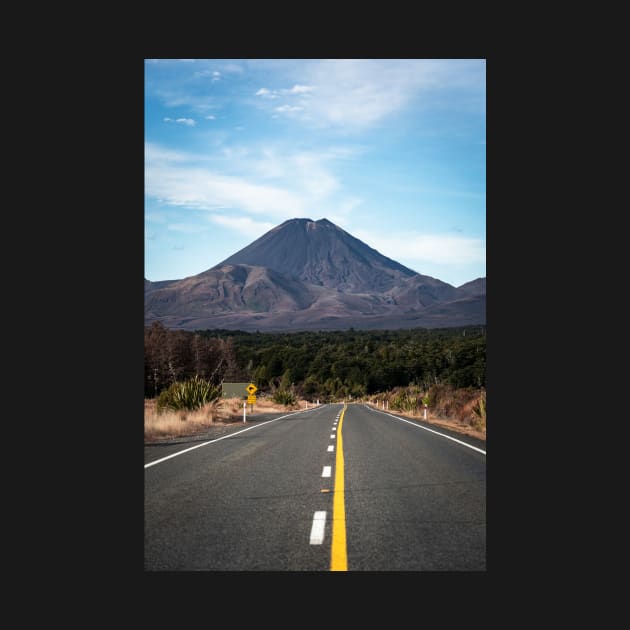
(317, 529)
(331, 448)
(419, 426)
(224, 437)
(326, 471)
(332, 437)
(338, 551)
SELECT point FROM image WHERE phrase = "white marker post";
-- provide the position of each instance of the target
(244, 411)
(425, 412)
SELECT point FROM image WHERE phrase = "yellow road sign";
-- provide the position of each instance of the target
(251, 400)
(251, 389)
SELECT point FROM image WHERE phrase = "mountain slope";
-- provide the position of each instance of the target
(474, 287)
(421, 291)
(231, 288)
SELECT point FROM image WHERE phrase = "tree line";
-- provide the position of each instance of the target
(327, 364)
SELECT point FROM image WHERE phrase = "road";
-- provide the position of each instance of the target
(402, 498)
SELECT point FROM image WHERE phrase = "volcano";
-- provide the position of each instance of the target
(311, 275)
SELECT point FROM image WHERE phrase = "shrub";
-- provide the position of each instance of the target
(480, 411)
(284, 397)
(404, 401)
(190, 394)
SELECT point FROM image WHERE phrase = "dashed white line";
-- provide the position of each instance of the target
(334, 429)
(332, 437)
(331, 448)
(326, 471)
(317, 529)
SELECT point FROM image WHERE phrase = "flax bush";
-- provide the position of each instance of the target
(190, 394)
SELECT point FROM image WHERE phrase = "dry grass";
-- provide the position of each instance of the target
(172, 424)
(451, 408)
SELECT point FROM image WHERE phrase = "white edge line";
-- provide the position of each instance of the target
(318, 528)
(415, 424)
(192, 448)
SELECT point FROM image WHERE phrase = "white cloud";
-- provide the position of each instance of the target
(299, 89)
(182, 121)
(348, 205)
(214, 74)
(314, 177)
(205, 189)
(243, 224)
(232, 67)
(269, 180)
(440, 249)
(309, 172)
(296, 89)
(156, 153)
(287, 109)
(211, 117)
(177, 97)
(358, 93)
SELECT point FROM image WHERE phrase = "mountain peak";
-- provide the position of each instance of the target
(305, 222)
(321, 253)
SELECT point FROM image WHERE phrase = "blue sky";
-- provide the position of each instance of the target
(392, 151)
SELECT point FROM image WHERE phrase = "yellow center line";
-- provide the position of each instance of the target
(338, 553)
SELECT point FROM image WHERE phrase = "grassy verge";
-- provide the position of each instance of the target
(221, 412)
(447, 423)
(461, 410)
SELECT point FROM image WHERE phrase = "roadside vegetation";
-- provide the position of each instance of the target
(161, 423)
(461, 409)
(444, 368)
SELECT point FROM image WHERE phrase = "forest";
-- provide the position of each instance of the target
(327, 365)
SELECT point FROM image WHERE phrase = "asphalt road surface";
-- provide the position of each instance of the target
(279, 495)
